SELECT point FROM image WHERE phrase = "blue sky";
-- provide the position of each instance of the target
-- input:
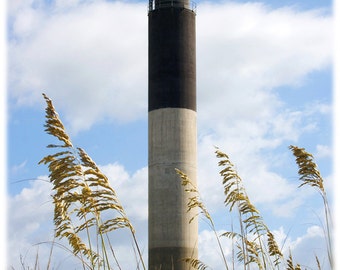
(264, 81)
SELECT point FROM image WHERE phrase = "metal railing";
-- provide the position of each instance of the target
(156, 4)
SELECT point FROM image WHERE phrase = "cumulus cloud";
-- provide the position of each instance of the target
(131, 189)
(209, 251)
(303, 248)
(132, 192)
(93, 59)
(244, 52)
(323, 151)
(29, 221)
(19, 167)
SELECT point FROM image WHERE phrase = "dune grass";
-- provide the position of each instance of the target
(255, 244)
(84, 199)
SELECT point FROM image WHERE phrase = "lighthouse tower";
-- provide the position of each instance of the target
(172, 132)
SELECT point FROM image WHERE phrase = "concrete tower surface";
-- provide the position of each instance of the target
(172, 132)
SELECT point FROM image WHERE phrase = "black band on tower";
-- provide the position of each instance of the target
(172, 58)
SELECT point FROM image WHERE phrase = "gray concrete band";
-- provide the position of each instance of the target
(172, 144)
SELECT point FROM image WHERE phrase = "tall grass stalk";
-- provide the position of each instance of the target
(311, 176)
(82, 198)
(256, 243)
(195, 201)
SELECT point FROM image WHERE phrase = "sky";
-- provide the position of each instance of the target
(264, 82)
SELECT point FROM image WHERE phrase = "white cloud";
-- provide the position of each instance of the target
(19, 167)
(303, 248)
(266, 188)
(209, 252)
(241, 61)
(29, 221)
(28, 20)
(24, 205)
(132, 190)
(243, 53)
(82, 58)
(323, 151)
(93, 59)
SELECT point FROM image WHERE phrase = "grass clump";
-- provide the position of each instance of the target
(255, 244)
(83, 200)
(87, 209)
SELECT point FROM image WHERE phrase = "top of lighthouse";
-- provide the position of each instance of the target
(157, 4)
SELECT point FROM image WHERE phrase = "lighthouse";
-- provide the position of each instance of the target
(172, 132)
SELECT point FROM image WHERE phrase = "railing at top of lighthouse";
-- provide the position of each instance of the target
(156, 4)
